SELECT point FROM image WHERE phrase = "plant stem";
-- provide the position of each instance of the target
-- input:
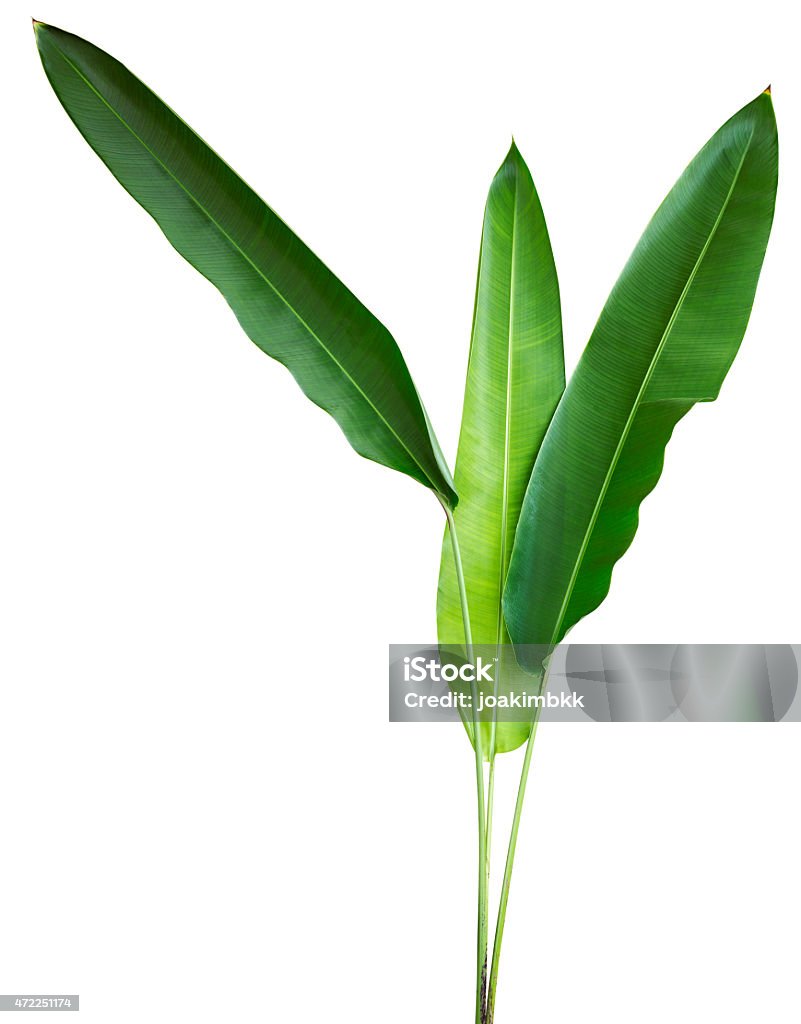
(490, 802)
(483, 926)
(510, 860)
(491, 759)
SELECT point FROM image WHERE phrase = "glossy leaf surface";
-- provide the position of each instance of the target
(665, 340)
(515, 378)
(287, 301)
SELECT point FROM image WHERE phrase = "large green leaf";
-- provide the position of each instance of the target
(515, 378)
(665, 340)
(286, 300)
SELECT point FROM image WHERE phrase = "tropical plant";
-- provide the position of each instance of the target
(549, 480)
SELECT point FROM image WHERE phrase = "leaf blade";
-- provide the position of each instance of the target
(665, 340)
(514, 380)
(287, 301)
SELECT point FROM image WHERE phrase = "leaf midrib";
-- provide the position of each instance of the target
(248, 259)
(638, 400)
(507, 421)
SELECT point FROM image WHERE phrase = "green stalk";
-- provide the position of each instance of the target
(490, 802)
(510, 860)
(483, 871)
(491, 759)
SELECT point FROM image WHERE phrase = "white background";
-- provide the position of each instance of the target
(180, 839)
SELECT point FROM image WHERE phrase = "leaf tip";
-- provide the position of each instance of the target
(766, 92)
(513, 156)
(38, 26)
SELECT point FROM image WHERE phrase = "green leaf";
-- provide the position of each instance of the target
(515, 378)
(665, 340)
(286, 300)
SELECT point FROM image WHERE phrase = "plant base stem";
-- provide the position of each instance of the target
(483, 867)
(510, 860)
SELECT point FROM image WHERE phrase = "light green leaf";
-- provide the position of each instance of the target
(286, 300)
(515, 377)
(665, 340)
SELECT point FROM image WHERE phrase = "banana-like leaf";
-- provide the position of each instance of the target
(515, 378)
(665, 340)
(287, 301)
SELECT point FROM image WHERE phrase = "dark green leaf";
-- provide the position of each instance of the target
(286, 300)
(665, 340)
